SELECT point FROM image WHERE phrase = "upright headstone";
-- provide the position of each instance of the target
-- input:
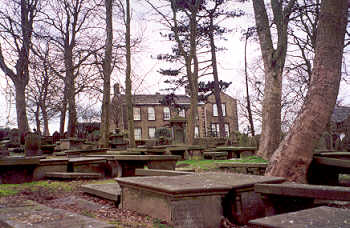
(32, 145)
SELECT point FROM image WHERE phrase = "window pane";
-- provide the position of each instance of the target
(151, 114)
(137, 132)
(137, 113)
(213, 130)
(217, 130)
(166, 113)
(223, 109)
(196, 131)
(227, 130)
(215, 110)
(151, 132)
(182, 113)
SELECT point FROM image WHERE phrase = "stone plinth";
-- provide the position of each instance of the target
(244, 168)
(88, 164)
(197, 200)
(237, 152)
(16, 170)
(71, 143)
(195, 153)
(49, 165)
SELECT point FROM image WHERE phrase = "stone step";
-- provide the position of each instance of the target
(106, 191)
(72, 175)
(32, 214)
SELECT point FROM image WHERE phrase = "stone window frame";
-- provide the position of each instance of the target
(215, 109)
(137, 115)
(149, 136)
(166, 114)
(150, 114)
(215, 128)
(136, 135)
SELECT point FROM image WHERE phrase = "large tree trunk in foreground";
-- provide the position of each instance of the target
(294, 155)
(274, 60)
(104, 129)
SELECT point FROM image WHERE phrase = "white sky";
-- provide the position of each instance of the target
(231, 61)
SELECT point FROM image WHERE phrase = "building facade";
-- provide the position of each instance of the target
(150, 114)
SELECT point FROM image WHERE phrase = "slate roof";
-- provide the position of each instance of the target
(340, 113)
(156, 98)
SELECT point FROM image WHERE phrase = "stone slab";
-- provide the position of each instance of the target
(159, 172)
(339, 155)
(319, 217)
(235, 148)
(31, 214)
(197, 183)
(106, 191)
(86, 160)
(141, 157)
(323, 192)
(123, 152)
(194, 200)
(10, 161)
(54, 161)
(240, 164)
(71, 175)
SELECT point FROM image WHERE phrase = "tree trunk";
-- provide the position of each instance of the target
(45, 120)
(105, 120)
(216, 79)
(37, 119)
(21, 109)
(72, 112)
(63, 110)
(293, 157)
(249, 107)
(274, 60)
(128, 79)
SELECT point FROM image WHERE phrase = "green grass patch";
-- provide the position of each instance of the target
(210, 164)
(12, 189)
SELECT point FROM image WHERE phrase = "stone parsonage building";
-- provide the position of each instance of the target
(150, 114)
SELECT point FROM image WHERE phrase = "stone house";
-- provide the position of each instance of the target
(340, 125)
(150, 114)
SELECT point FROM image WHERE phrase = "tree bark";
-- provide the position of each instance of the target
(249, 108)
(105, 118)
(216, 78)
(128, 81)
(274, 60)
(293, 157)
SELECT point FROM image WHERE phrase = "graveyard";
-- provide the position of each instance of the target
(71, 182)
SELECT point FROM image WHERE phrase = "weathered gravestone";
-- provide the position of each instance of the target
(197, 200)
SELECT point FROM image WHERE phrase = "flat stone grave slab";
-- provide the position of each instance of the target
(159, 172)
(123, 152)
(243, 167)
(10, 161)
(319, 217)
(197, 200)
(237, 152)
(71, 175)
(215, 155)
(50, 165)
(339, 155)
(88, 165)
(32, 214)
(106, 191)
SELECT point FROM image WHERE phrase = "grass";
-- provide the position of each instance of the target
(12, 189)
(210, 164)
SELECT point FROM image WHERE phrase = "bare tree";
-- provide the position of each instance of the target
(16, 23)
(274, 60)
(294, 155)
(107, 69)
(73, 32)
